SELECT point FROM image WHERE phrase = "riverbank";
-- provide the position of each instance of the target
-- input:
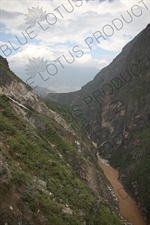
(128, 208)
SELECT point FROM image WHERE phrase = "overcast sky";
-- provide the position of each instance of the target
(62, 44)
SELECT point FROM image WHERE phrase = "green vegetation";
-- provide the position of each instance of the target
(65, 112)
(34, 157)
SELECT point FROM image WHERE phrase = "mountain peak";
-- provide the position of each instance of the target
(4, 61)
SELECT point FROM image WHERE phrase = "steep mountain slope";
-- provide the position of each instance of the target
(115, 111)
(48, 170)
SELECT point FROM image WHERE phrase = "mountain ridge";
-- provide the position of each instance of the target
(114, 111)
(48, 169)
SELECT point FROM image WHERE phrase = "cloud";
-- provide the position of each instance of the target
(9, 15)
(115, 43)
(92, 18)
(76, 26)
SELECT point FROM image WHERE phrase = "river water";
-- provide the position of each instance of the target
(128, 207)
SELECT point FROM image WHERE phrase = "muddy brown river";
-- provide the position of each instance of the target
(128, 207)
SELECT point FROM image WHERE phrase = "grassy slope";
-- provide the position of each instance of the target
(35, 152)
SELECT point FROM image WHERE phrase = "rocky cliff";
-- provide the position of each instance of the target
(48, 169)
(115, 112)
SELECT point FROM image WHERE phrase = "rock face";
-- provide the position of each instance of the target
(20, 93)
(115, 111)
(48, 170)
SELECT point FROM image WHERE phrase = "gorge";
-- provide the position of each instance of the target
(50, 171)
(114, 109)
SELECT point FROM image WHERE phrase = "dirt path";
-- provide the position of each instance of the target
(128, 207)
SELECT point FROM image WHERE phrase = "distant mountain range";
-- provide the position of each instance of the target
(42, 91)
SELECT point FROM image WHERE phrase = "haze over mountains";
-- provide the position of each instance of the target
(42, 91)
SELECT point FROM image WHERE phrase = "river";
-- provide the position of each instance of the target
(128, 207)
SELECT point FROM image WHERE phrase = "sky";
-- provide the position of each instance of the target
(63, 44)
